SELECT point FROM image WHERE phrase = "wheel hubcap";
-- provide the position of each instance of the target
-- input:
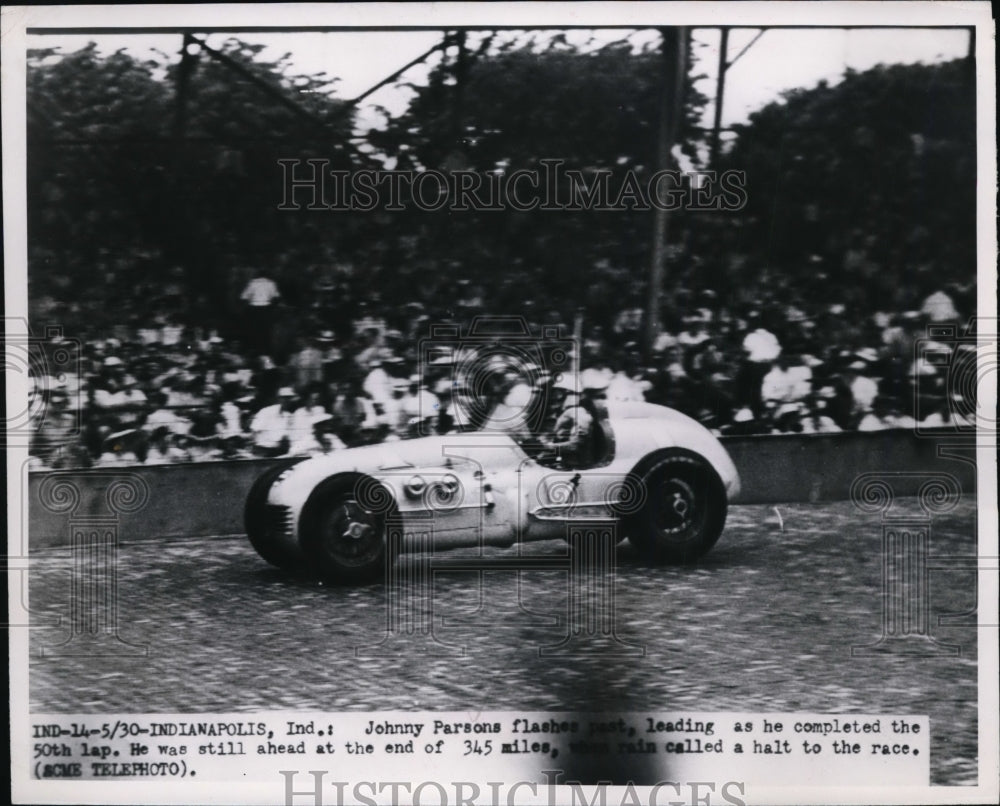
(352, 534)
(357, 530)
(679, 509)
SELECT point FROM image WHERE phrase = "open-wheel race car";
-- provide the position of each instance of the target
(662, 478)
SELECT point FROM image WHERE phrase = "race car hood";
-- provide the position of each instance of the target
(386, 457)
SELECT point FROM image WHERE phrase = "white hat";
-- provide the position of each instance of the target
(744, 415)
(286, 391)
(112, 361)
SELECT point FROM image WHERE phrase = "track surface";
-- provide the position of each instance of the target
(764, 623)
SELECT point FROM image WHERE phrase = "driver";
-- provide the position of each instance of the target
(572, 438)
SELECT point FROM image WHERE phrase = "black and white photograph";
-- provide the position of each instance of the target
(497, 403)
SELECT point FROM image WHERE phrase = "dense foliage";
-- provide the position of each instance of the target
(141, 167)
(869, 185)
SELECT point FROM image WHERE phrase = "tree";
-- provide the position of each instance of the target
(510, 106)
(177, 161)
(873, 179)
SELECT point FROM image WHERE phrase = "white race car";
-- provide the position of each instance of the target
(659, 476)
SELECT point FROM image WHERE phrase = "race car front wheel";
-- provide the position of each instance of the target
(260, 522)
(344, 529)
(683, 510)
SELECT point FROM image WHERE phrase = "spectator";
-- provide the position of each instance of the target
(163, 449)
(307, 364)
(761, 348)
(260, 296)
(162, 415)
(121, 448)
(331, 355)
(788, 382)
(629, 383)
(378, 386)
(355, 413)
(304, 418)
(271, 426)
(230, 423)
(57, 441)
(819, 421)
(864, 389)
(938, 307)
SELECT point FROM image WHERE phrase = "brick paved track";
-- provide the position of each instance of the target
(764, 623)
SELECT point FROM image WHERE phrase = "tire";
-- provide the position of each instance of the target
(684, 510)
(255, 519)
(343, 529)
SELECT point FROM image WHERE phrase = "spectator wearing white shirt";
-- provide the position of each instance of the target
(760, 348)
(938, 307)
(163, 416)
(271, 426)
(304, 418)
(864, 389)
(787, 382)
(260, 295)
(118, 395)
(378, 385)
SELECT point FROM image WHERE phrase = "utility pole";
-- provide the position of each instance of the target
(720, 86)
(720, 90)
(673, 50)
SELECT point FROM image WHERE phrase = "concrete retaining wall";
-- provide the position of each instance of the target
(207, 499)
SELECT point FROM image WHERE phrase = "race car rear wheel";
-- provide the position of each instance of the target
(683, 512)
(258, 522)
(343, 529)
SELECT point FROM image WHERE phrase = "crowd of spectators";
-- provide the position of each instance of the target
(319, 360)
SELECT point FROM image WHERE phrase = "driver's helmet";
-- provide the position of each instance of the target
(592, 380)
(567, 382)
